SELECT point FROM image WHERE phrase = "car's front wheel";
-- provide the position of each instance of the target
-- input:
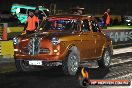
(71, 63)
(22, 66)
(105, 61)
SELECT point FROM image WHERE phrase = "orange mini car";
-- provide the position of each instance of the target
(67, 40)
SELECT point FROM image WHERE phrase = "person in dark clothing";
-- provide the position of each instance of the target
(39, 14)
(106, 18)
(31, 23)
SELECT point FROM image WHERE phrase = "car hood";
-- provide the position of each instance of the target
(47, 34)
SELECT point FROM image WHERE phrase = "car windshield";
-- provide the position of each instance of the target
(68, 24)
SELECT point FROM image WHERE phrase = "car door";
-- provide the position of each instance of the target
(87, 41)
(99, 39)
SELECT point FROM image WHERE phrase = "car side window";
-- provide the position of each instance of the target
(95, 26)
(75, 26)
(72, 25)
(23, 11)
(30, 10)
(85, 26)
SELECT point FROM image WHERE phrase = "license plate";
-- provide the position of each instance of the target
(35, 62)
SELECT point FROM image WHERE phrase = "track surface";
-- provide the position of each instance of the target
(121, 68)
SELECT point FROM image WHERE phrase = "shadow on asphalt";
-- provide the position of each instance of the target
(94, 73)
(97, 73)
(50, 78)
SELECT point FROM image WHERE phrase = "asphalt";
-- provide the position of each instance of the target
(54, 78)
(121, 68)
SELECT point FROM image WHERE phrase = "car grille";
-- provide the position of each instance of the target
(44, 51)
(33, 47)
(25, 51)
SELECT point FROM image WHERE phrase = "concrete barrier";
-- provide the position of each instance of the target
(6, 49)
(15, 29)
(0, 48)
(119, 37)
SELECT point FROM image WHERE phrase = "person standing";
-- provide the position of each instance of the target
(41, 15)
(107, 18)
(31, 24)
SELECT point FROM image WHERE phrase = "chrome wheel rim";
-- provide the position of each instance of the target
(25, 64)
(73, 63)
(107, 58)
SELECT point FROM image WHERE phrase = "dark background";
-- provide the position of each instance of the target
(118, 7)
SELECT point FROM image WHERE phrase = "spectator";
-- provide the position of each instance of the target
(106, 18)
(39, 14)
(31, 23)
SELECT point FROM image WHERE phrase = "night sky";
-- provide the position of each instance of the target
(117, 6)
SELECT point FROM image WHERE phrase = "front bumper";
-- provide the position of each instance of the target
(43, 63)
(39, 57)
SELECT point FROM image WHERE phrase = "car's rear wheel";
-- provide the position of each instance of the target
(71, 63)
(22, 66)
(105, 61)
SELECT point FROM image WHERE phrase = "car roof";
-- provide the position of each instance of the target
(27, 7)
(69, 16)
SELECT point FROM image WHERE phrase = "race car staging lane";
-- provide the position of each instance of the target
(121, 68)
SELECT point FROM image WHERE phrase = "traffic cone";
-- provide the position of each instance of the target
(4, 34)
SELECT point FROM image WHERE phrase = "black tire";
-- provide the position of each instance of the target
(71, 63)
(22, 66)
(105, 61)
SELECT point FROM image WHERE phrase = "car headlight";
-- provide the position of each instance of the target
(55, 41)
(128, 20)
(48, 10)
(16, 40)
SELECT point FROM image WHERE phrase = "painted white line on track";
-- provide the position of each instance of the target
(122, 50)
(120, 61)
(126, 76)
